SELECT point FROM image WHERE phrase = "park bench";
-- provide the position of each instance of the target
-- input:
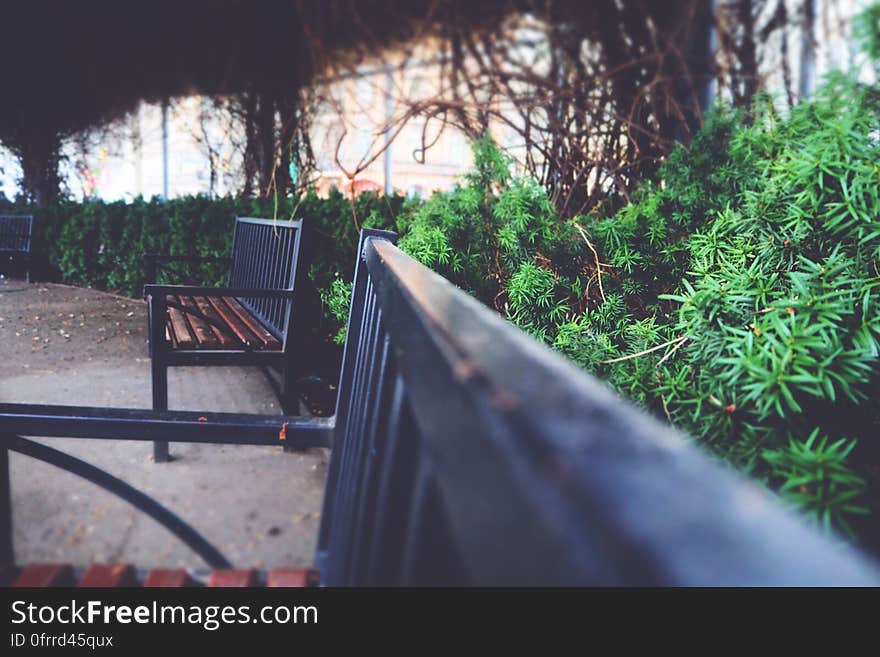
(16, 233)
(246, 323)
(465, 452)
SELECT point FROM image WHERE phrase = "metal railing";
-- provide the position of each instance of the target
(465, 452)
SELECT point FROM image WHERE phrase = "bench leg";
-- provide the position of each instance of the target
(289, 390)
(149, 331)
(160, 403)
(290, 402)
(7, 556)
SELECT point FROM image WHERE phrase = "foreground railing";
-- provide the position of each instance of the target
(464, 452)
(467, 453)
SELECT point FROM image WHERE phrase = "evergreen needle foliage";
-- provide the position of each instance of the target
(760, 248)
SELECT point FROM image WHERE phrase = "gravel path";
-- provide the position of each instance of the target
(68, 345)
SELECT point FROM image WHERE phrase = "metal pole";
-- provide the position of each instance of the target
(389, 114)
(711, 88)
(807, 77)
(7, 554)
(165, 149)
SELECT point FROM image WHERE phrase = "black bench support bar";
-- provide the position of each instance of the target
(180, 426)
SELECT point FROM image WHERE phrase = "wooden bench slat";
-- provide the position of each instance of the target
(269, 340)
(201, 329)
(168, 578)
(108, 576)
(292, 577)
(42, 575)
(183, 337)
(234, 322)
(226, 340)
(233, 578)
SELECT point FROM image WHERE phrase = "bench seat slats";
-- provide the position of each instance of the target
(224, 337)
(126, 575)
(233, 578)
(234, 322)
(200, 328)
(186, 330)
(168, 578)
(183, 337)
(43, 575)
(269, 340)
(108, 576)
(292, 578)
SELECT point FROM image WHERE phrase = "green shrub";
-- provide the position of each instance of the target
(736, 295)
(337, 299)
(768, 296)
(498, 237)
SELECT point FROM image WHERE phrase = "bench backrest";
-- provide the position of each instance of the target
(266, 256)
(15, 233)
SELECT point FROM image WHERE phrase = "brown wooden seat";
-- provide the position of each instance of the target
(228, 325)
(125, 575)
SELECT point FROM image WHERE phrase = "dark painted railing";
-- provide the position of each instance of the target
(464, 452)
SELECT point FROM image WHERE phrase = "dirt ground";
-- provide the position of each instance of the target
(67, 345)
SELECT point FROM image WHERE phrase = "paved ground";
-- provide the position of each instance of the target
(68, 345)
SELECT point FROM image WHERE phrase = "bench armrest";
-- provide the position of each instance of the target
(151, 290)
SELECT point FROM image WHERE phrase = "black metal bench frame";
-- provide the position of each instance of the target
(16, 237)
(263, 287)
(464, 452)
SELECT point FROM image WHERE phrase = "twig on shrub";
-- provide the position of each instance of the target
(679, 341)
(666, 408)
(595, 255)
(672, 351)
